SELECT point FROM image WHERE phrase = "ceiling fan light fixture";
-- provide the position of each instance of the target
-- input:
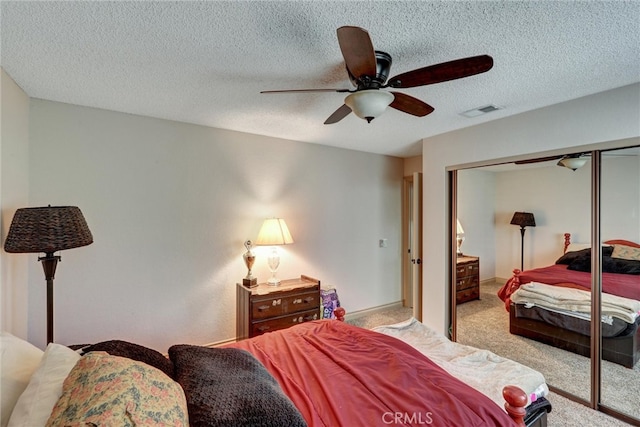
(573, 163)
(369, 104)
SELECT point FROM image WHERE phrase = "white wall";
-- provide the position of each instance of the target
(476, 201)
(607, 116)
(412, 165)
(170, 205)
(14, 190)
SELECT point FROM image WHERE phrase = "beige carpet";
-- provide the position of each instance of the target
(565, 412)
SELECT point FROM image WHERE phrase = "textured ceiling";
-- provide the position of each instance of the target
(206, 62)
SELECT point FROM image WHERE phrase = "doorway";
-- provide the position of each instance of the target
(412, 243)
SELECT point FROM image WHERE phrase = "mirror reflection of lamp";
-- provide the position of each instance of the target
(459, 236)
(274, 232)
(572, 162)
(523, 219)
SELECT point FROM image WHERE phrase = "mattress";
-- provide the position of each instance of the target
(611, 328)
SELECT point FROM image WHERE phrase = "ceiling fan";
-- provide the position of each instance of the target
(569, 161)
(368, 70)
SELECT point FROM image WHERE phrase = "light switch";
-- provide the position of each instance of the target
(383, 243)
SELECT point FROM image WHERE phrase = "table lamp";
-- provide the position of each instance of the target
(274, 232)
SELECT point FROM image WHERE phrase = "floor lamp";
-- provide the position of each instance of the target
(48, 230)
(523, 219)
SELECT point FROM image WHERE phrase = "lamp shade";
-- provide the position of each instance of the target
(459, 229)
(274, 231)
(47, 229)
(369, 104)
(523, 219)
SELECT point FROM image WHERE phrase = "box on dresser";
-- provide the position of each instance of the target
(265, 308)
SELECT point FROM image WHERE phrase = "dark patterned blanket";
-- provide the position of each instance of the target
(229, 387)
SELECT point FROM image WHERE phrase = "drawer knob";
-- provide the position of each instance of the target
(307, 300)
(264, 307)
(297, 301)
(263, 328)
(276, 302)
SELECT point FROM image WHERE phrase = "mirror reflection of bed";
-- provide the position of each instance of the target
(561, 200)
(552, 304)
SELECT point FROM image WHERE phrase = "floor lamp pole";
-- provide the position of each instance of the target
(49, 263)
(521, 248)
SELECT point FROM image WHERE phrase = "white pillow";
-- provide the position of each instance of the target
(45, 388)
(18, 360)
(578, 246)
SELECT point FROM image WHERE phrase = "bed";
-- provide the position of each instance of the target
(320, 373)
(553, 320)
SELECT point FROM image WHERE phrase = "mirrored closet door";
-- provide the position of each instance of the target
(495, 204)
(560, 197)
(620, 225)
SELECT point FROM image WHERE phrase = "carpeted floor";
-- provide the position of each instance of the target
(478, 324)
(485, 323)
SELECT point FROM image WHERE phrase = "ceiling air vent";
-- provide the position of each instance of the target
(480, 111)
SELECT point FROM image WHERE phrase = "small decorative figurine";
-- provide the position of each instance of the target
(249, 258)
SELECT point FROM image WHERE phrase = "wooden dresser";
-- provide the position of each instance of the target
(467, 279)
(266, 308)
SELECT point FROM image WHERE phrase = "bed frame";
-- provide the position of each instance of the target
(622, 350)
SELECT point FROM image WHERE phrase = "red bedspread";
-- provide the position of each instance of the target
(624, 285)
(341, 375)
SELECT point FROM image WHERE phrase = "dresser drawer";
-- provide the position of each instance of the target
(467, 282)
(470, 269)
(281, 305)
(467, 279)
(467, 295)
(274, 324)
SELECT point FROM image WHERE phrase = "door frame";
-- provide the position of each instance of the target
(412, 243)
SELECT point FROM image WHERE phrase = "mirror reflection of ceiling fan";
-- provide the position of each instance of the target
(368, 70)
(577, 160)
(570, 161)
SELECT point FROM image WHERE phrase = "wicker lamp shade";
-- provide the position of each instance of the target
(47, 229)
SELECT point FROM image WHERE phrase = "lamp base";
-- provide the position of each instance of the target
(250, 283)
(459, 241)
(273, 282)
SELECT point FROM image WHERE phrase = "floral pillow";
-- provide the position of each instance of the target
(626, 252)
(105, 390)
(132, 351)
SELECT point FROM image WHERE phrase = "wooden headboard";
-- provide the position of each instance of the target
(567, 242)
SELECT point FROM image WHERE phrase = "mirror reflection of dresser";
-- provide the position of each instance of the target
(467, 278)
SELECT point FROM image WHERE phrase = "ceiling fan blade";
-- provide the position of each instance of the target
(443, 72)
(338, 115)
(410, 105)
(538, 160)
(304, 90)
(357, 51)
